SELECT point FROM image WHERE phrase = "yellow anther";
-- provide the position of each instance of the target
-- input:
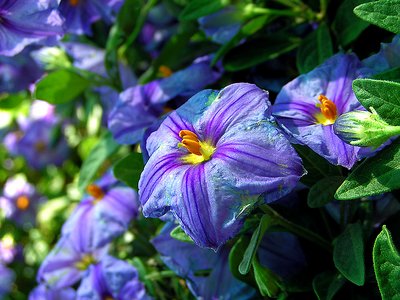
(328, 111)
(95, 191)
(40, 146)
(199, 151)
(164, 71)
(74, 2)
(23, 202)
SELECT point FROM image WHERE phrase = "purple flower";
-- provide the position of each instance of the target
(308, 106)
(80, 14)
(69, 260)
(27, 21)
(140, 106)
(43, 293)
(212, 158)
(20, 201)
(7, 278)
(388, 57)
(111, 279)
(105, 213)
(206, 272)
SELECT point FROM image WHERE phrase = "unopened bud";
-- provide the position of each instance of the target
(364, 128)
(51, 58)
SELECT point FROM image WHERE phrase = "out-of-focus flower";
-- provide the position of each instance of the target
(18, 72)
(111, 278)
(7, 278)
(388, 57)
(364, 129)
(44, 293)
(140, 106)
(80, 14)
(308, 106)
(8, 249)
(206, 272)
(105, 213)
(223, 25)
(69, 260)
(212, 158)
(40, 140)
(20, 200)
(27, 21)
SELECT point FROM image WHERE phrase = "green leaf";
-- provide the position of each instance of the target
(200, 8)
(348, 254)
(392, 74)
(315, 49)
(96, 158)
(256, 238)
(178, 234)
(382, 13)
(346, 25)
(60, 87)
(383, 96)
(323, 191)
(129, 168)
(387, 265)
(327, 284)
(376, 175)
(10, 101)
(268, 283)
(235, 257)
(258, 51)
(317, 167)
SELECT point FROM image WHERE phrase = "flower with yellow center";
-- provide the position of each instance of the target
(328, 111)
(198, 151)
(22, 202)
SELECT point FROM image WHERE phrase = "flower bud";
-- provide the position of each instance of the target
(51, 58)
(364, 128)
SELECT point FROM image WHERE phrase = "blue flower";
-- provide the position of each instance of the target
(43, 293)
(140, 106)
(105, 213)
(80, 14)
(206, 272)
(112, 278)
(308, 106)
(7, 278)
(388, 57)
(24, 22)
(212, 158)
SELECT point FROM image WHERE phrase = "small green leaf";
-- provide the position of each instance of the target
(348, 254)
(268, 283)
(387, 265)
(315, 49)
(323, 191)
(60, 87)
(258, 51)
(373, 176)
(346, 25)
(382, 13)
(199, 8)
(383, 96)
(178, 234)
(256, 238)
(235, 258)
(327, 284)
(97, 156)
(10, 101)
(129, 168)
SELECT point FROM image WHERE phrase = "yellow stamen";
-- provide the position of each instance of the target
(23, 202)
(74, 2)
(328, 111)
(199, 151)
(164, 71)
(85, 262)
(95, 191)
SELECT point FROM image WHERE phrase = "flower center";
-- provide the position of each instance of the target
(40, 146)
(199, 151)
(95, 191)
(328, 111)
(74, 2)
(22, 202)
(85, 262)
(164, 71)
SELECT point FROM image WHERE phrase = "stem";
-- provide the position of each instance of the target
(297, 229)
(160, 275)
